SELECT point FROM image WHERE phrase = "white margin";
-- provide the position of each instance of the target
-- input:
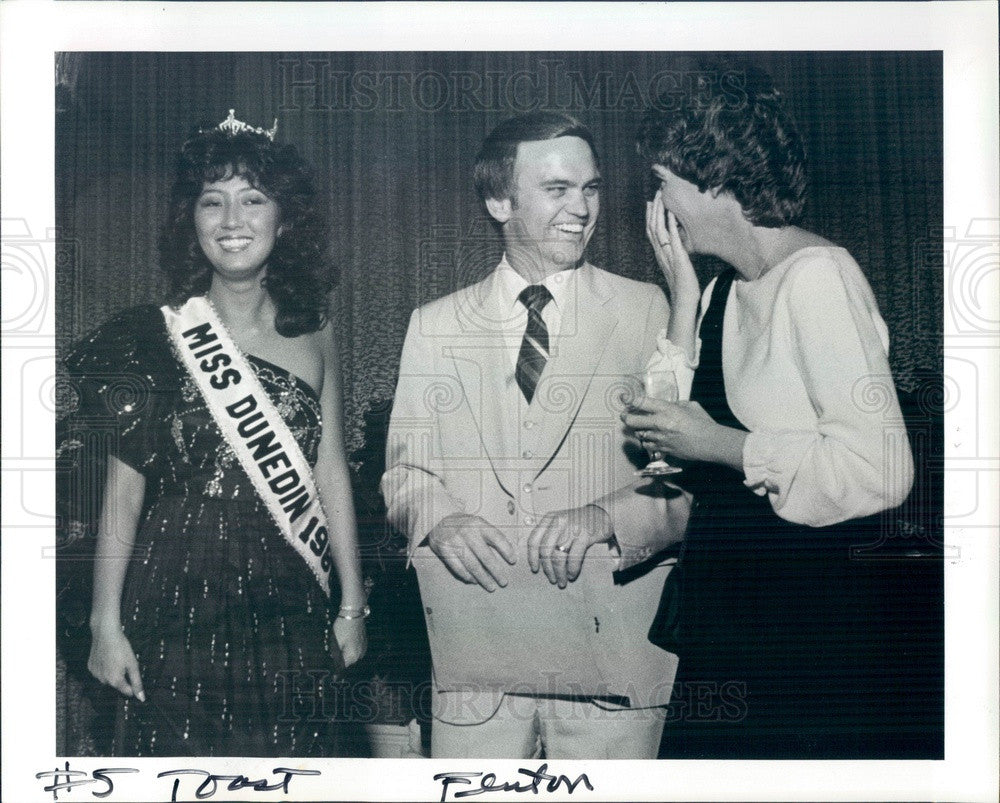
(30, 34)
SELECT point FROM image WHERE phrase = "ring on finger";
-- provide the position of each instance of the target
(561, 548)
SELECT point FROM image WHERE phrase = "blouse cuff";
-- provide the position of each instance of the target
(755, 453)
(766, 461)
(671, 357)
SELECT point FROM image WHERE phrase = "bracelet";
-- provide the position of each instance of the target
(354, 613)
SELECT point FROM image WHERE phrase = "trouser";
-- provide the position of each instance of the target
(554, 727)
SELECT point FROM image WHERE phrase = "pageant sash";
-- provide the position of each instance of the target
(254, 430)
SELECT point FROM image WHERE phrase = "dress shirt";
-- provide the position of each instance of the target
(561, 285)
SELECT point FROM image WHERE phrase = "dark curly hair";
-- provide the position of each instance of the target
(298, 273)
(734, 135)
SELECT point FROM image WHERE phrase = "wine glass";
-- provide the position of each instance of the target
(660, 384)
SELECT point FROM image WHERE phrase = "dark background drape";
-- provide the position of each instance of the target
(392, 138)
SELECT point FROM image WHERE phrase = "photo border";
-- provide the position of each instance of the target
(30, 35)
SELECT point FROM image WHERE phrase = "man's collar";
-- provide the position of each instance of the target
(511, 283)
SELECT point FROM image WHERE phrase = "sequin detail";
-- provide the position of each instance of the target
(222, 613)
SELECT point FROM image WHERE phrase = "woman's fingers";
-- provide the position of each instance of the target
(350, 637)
(649, 405)
(679, 255)
(649, 419)
(655, 231)
(134, 680)
(665, 240)
(673, 234)
(680, 429)
(659, 223)
(672, 231)
(651, 234)
(116, 677)
(357, 651)
(114, 664)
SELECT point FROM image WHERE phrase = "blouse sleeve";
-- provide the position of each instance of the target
(120, 375)
(857, 460)
(671, 357)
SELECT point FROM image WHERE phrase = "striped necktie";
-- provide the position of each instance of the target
(534, 351)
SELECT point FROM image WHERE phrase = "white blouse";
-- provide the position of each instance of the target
(805, 365)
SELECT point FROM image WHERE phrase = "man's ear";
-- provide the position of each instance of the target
(499, 209)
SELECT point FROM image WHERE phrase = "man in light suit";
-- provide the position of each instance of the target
(509, 472)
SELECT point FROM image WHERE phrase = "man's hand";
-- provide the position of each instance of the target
(472, 549)
(560, 541)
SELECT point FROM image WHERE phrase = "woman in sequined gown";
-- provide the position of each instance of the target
(210, 625)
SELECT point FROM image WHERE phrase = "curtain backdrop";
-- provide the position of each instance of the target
(392, 138)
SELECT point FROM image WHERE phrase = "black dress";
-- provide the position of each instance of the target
(231, 629)
(774, 624)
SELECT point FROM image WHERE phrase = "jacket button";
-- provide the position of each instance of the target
(529, 519)
(529, 424)
(526, 454)
(510, 507)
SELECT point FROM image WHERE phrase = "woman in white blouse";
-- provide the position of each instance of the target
(791, 434)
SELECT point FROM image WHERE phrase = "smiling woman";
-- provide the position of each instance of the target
(215, 562)
(237, 226)
(250, 199)
(784, 465)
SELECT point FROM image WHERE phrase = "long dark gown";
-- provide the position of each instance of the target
(780, 634)
(231, 629)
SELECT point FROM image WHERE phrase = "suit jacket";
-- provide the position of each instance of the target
(462, 439)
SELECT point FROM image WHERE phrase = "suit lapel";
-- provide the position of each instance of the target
(584, 333)
(481, 364)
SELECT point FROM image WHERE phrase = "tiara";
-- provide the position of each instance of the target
(232, 126)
